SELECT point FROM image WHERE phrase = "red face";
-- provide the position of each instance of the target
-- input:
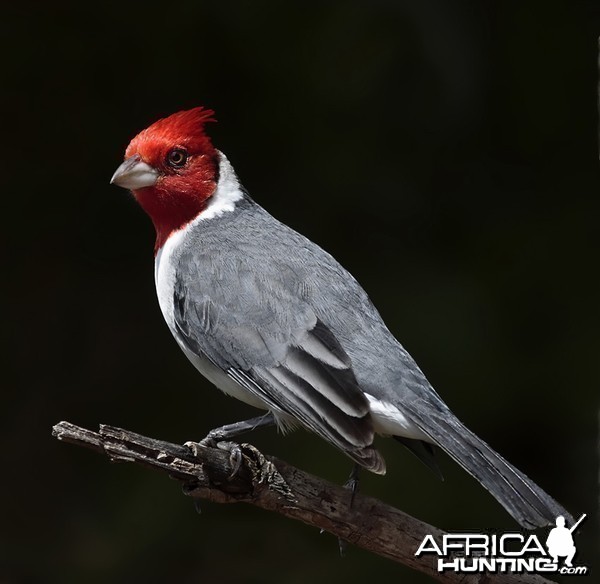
(172, 169)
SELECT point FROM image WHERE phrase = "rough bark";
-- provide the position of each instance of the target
(269, 483)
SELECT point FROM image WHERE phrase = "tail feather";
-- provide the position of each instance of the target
(424, 451)
(520, 496)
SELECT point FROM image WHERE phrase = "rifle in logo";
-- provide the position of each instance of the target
(560, 541)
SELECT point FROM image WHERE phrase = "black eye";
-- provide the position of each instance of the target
(177, 157)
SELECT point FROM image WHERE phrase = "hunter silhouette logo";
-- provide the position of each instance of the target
(560, 541)
(505, 553)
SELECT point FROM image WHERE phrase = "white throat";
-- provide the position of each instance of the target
(227, 194)
(222, 201)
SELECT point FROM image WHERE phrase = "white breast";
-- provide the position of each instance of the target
(165, 267)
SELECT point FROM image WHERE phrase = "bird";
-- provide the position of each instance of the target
(272, 319)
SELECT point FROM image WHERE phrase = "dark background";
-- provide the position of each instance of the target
(444, 152)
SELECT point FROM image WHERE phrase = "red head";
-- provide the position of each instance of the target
(172, 169)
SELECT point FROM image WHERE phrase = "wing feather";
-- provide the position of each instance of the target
(273, 346)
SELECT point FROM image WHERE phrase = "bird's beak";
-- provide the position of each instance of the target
(134, 173)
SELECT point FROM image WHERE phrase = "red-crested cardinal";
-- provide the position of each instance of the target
(271, 319)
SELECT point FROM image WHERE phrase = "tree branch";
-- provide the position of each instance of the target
(272, 484)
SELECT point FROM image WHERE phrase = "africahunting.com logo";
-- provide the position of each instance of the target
(505, 553)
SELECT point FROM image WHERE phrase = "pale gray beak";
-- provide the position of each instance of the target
(134, 174)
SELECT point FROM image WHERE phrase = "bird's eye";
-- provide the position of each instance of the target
(177, 157)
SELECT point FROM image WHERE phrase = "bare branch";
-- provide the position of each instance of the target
(272, 484)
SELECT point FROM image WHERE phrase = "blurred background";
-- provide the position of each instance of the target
(444, 152)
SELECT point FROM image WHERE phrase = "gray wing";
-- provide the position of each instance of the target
(263, 329)
(269, 341)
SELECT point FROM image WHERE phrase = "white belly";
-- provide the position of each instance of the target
(221, 380)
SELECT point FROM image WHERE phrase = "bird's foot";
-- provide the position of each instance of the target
(352, 484)
(236, 456)
(235, 451)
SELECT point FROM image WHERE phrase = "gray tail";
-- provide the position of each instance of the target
(521, 497)
(424, 451)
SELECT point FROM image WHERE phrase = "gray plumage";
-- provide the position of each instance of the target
(261, 305)
(273, 320)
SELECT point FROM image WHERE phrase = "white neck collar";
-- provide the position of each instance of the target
(228, 192)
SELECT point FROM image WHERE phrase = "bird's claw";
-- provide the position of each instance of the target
(193, 447)
(236, 457)
(352, 484)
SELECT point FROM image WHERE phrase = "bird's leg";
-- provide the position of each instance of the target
(229, 431)
(232, 430)
(220, 438)
(352, 483)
